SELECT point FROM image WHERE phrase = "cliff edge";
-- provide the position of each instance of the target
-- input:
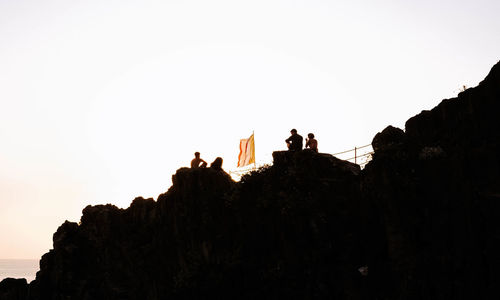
(421, 221)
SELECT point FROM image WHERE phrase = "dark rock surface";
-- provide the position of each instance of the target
(13, 289)
(436, 189)
(421, 221)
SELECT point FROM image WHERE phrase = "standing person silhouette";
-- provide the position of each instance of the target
(294, 142)
(312, 143)
(195, 163)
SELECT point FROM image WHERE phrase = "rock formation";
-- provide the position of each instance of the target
(421, 221)
(11, 288)
(436, 190)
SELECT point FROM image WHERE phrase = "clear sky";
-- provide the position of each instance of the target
(101, 101)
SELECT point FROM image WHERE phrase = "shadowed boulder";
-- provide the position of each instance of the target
(13, 289)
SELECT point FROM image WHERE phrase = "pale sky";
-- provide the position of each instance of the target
(102, 101)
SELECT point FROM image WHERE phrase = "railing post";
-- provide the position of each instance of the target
(355, 155)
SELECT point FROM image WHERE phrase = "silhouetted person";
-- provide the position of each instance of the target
(195, 163)
(312, 143)
(294, 142)
(217, 164)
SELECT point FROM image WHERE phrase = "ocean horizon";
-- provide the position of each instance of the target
(19, 268)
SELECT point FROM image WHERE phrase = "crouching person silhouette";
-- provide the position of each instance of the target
(217, 164)
(312, 143)
(195, 163)
(294, 142)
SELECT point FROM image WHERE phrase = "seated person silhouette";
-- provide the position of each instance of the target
(195, 163)
(294, 142)
(312, 143)
(217, 164)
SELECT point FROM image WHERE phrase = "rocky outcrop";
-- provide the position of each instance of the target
(280, 232)
(436, 190)
(135, 253)
(13, 289)
(421, 221)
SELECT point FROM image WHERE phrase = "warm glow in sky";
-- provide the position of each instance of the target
(101, 101)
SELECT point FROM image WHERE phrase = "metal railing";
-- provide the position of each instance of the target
(362, 155)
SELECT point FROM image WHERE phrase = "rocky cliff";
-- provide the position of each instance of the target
(421, 221)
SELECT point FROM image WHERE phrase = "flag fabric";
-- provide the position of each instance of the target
(247, 152)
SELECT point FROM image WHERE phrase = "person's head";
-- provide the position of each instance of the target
(197, 154)
(310, 135)
(293, 131)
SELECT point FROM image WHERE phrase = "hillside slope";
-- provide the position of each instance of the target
(423, 219)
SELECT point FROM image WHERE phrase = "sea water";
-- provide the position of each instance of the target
(19, 268)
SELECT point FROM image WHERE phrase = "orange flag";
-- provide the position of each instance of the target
(247, 152)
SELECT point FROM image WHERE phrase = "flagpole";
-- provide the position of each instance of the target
(254, 159)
